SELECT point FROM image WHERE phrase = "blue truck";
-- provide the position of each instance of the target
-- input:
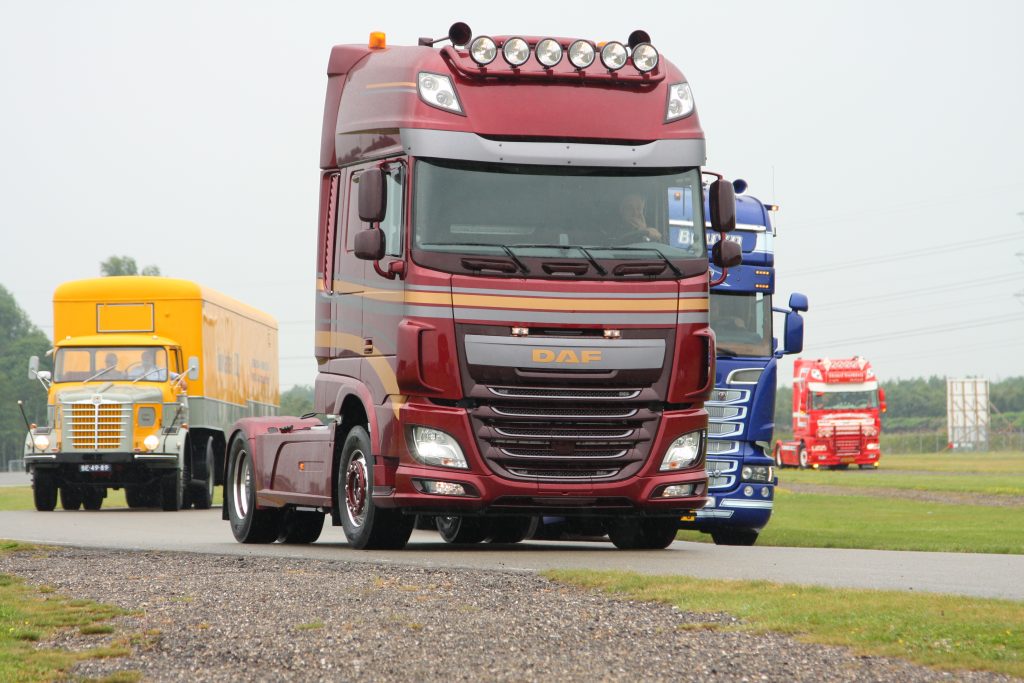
(741, 412)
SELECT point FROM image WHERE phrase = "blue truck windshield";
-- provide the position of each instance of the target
(742, 323)
(548, 212)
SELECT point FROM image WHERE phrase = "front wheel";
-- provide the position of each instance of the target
(643, 534)
(248, 523)
(366, 526)
(70, 497)
(512, 529)
(201, 490)
(44, 491)
(778, 456)
(301, 526)
(92, 497)
(462, 529)
(805, 458)
(734, 537)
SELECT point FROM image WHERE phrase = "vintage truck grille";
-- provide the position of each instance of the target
(96, 427)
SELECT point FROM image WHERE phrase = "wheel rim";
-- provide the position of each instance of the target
(241, 485)
(355, 489)
(803, 458)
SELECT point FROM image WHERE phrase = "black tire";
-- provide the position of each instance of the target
(734, 536)
(201, 489)
(44, 491)
(144, 496)
(70, 497)
(301, 526)
(92, 497)
(463, 529)
(249, 524)
(172, 491)
(842, 467)
(866, 467)
(805, 458)
(634, 533)
(366, 526)
(512, 529)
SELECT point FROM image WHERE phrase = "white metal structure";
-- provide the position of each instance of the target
(967, 413)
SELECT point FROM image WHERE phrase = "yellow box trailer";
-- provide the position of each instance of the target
(149, 374)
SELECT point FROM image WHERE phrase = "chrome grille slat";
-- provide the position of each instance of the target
(563, 474)
(95, 427)
(565, 394)
(541, 453)
(581, 413)
(563, 433)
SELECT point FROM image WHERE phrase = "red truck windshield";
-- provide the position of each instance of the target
(844, 400)
(547, 212)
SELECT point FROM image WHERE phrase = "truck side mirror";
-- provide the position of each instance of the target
(726, 254)
(33, 367)
(373, 196)
(370, 245)
(794, 333)
(798, 301)
(722, 201)
(193, 367)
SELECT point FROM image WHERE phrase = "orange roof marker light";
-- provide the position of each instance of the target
(378, 41)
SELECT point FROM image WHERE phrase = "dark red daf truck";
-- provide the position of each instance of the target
(508, 325)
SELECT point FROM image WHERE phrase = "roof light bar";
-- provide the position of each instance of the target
(515, 51)
(483, 50)
(549, 52)
(582, 54)
(614, 55)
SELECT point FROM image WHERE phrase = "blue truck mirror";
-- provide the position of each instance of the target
(794, 333)
(798, 301)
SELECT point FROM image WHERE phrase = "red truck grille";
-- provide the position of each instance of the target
(847, 445)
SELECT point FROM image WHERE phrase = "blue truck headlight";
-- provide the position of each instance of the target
(761, 473)
(683, 452)
(437, 448)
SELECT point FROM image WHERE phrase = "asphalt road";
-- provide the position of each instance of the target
(995, 576)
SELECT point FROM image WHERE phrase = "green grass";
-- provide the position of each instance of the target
(1005, 484)
(950, 632)
(28, 615)
(20, 498)
(985, 463)
(819, 521)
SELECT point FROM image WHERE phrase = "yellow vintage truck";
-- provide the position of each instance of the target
(149, 374)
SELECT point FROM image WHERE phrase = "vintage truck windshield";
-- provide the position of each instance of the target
(844, 400)
(742, 323)
(549, 212)
(106, 363)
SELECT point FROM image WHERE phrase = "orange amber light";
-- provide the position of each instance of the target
(378, 41)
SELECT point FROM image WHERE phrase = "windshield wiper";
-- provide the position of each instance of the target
(147, 373)
(97, 374)
(664, 258)
(590, 257)
(515, 259)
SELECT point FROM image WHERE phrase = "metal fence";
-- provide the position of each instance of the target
(937, 442)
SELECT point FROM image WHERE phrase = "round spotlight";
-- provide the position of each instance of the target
(515, 51)
(549, 52)
(581, 54)
(645, 57)
(483, 50)
(614, 56)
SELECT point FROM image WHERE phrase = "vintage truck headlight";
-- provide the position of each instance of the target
(41, 441)
(151, 442)
(437, 448)
(683, 451)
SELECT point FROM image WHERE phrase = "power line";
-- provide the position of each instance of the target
(888, 296)
(962, 325)
(920, 253)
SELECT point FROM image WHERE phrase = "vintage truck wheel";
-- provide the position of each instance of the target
(462, 529)
(366, 526)
(512, 529)
(201, 490)
(172, 490)
(92, 497)
(301, 526)
(643, 534)
(734, 537)
(44, 491)
(248, 523)
(70, 497)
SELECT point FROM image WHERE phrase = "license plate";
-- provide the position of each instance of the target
(689, 518)
(94, 467)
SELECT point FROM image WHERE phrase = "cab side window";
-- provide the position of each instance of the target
(393, 219)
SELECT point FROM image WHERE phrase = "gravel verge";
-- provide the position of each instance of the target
(217, 618)
(948, 497)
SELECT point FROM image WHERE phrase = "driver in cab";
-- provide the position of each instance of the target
(632, 209)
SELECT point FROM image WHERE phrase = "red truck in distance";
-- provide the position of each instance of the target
(837, 415)
(507, 325)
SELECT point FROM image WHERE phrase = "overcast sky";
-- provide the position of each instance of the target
(187, 136)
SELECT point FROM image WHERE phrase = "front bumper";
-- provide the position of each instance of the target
(732, 502)
(491, 494)
(108, 469)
